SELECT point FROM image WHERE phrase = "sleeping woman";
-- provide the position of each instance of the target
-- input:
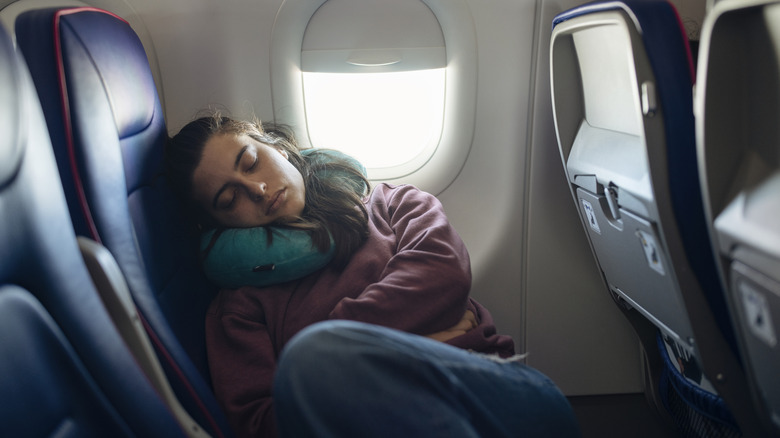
(373, 333)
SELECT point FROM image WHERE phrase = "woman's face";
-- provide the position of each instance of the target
(243, 183)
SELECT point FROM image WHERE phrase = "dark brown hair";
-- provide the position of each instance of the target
(334, 188)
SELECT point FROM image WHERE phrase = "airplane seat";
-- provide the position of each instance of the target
(737, 105)
(64, 368)
(108, 133)
(622, 79)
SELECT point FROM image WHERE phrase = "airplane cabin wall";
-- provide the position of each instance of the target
(533, 269)
(531, 262)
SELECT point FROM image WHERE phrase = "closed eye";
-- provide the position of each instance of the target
(227, 199)
(252, 159)
(253, 166)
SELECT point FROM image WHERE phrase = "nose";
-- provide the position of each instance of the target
(256, 189)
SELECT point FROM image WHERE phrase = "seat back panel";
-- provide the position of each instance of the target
(738, 141)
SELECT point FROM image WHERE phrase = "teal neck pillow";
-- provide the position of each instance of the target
(236, 257)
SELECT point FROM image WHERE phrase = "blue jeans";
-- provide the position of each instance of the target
(348, 379)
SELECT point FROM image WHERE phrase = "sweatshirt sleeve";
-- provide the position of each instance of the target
(242, 363)
(425, 285)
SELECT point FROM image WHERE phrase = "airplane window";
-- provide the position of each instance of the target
(382, 119)
(391, 83)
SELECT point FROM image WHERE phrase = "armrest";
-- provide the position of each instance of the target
(114, 292)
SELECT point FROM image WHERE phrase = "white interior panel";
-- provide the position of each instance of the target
(212, 55)
(607, 66)
(404, 24)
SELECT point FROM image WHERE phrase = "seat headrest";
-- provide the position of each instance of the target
(10, 111)
(117, 55)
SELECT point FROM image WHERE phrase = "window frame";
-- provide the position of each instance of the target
(432, 172)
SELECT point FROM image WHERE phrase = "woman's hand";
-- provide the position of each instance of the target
(466, 323)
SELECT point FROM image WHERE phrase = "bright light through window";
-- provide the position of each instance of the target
(381, 119)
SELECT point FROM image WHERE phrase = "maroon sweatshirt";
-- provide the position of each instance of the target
(412, 274)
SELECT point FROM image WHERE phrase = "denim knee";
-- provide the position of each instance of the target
(314, 363)
(310, 351)
(354, 379)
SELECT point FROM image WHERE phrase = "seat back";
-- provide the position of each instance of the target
(738, 133)
(108, 134)
(64, 368)
(622, 81)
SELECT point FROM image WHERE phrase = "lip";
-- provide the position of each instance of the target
(276, 202)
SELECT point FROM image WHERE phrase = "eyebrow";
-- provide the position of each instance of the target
(238, 157)
(224, 187)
